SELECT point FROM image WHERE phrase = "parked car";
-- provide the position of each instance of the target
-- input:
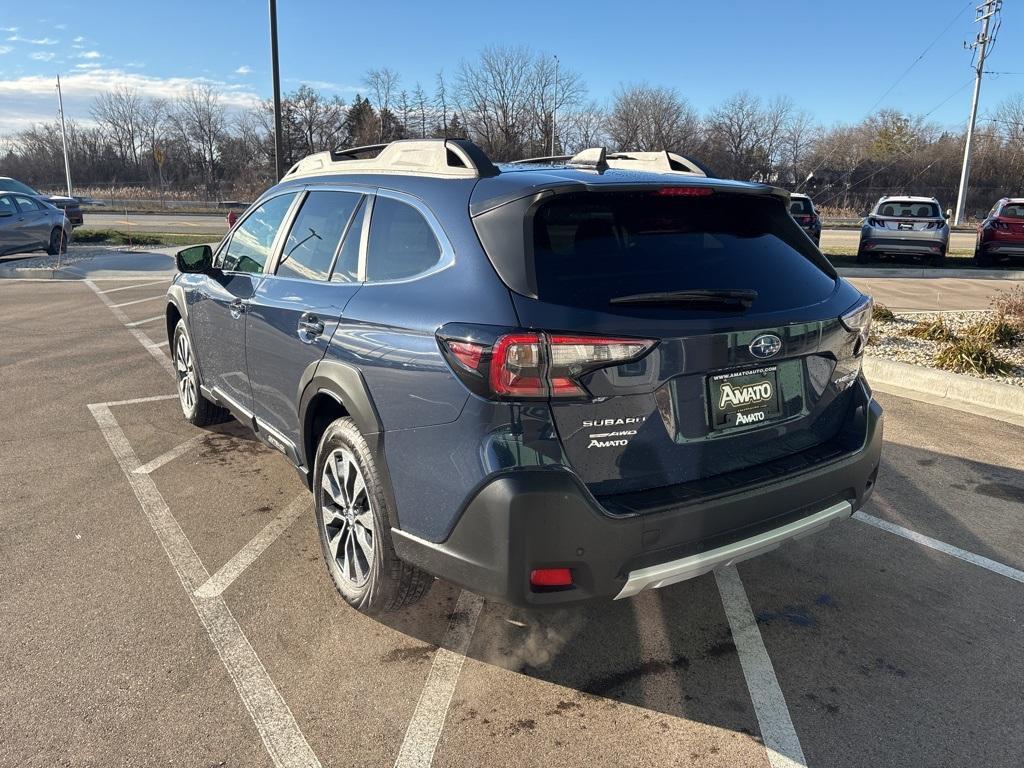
(802, 209)
(30, 224)
(1001, 234)
(905, 226)
(542, 384)
(70, 205)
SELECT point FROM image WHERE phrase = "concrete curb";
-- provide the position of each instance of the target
(921, 272)
(952, 388)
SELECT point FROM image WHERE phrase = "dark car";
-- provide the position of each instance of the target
(1001, 234)
(71, 206)
(802, 209)
(541, 383)
(30, 224)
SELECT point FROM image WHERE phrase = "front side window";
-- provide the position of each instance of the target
(316, 233)
(401, 244)
(249, 248)
(28, 205)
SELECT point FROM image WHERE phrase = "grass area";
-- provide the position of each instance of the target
(85, 236)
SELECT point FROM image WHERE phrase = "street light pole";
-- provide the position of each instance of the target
(986, 11)
(64, 136)
(554, 107)
(278, 138)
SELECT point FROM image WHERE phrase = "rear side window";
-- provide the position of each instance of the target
(1013, 211)
(27, 204)
(800, 206)
(250, 244)
(316, 234)
(7, 206)
(910, 210)
(592, 247)
(401, 244)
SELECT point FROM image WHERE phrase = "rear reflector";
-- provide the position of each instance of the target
(551, 577)
(684, 192)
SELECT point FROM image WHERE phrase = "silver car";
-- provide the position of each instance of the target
(902, 225)
(30, 224)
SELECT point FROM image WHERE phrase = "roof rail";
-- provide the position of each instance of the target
(445, 158)
(655, 162)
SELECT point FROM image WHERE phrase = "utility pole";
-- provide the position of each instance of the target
(64, 136)
(278, 138)
(554, 107)
(986, 11)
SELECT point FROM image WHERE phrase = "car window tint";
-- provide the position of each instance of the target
(401, 242)
(800, 206)
(27, 204)
(250, 244)
(316, 233)
(7, 205)
(1013, 211)
(346, 268)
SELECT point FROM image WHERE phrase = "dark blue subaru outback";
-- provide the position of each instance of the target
(544, 382)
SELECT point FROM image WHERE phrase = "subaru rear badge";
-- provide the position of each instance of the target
(766, 345)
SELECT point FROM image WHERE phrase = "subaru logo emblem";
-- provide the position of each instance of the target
(766, 345)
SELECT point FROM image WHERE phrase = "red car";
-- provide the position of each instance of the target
(1001, 234)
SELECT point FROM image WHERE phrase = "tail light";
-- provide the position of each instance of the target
(1002, 226)
(532, 365)
(684, 192)
(546, 578)
(873, 222)
(858, 321)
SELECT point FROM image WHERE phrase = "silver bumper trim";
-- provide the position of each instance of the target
(662, 575)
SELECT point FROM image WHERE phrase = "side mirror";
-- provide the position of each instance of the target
(198, 259)
(947, 214)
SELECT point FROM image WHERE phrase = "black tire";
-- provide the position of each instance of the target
(938, 259)
(195, 408)
(982, 258)
(863, 257)
(58, 242)
(374, 582)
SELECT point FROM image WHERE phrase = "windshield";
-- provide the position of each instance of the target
(909, 209)
(800, 206)
(10, 185)
(592, 247)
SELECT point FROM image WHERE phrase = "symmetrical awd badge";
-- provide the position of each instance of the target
(766, 345)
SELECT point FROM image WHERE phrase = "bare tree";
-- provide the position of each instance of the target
(199, 120)
(441, 102)
(121, 112)
(382, 83)
(647, 118)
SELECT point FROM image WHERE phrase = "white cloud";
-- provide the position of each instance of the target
(245, 69)
(29, 98)
(43, 56)
(60, 26)
(8, 29)
(36, 41)
(78, 39)
(5, 49)
(90, 55)
(88, 66)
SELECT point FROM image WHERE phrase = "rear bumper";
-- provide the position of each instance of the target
(997, 248)
(546, 518)
(913, 245)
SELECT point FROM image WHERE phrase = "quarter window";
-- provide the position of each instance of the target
(316, 233)
(346, 268)
(250, 244)
(401, 242)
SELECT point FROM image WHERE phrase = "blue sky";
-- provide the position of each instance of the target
(834, 59)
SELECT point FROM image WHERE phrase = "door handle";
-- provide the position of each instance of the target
(310, 326)
(237, 307)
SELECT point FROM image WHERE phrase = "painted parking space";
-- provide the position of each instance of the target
(863, 647)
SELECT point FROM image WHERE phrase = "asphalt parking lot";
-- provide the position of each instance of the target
(163, 602)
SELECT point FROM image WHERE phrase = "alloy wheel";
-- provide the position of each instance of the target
(347, 517)
(186, 371)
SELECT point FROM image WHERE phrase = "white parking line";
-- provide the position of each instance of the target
(777, 731)
(274, 721)
(247, 555)
(130, 287)
(137, 323)
(164, 343)
(139, 301)
(424, 729)
(941, 546)
(158, 353)
(171, 455)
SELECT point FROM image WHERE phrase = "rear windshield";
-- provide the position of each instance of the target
(592, 247)
(1013, 211)
(800, 206)
(909, 210)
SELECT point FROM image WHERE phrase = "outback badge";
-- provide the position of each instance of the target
(766, 345)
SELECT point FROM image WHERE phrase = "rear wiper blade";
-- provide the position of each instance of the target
(730, 297)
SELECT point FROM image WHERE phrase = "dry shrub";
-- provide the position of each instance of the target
(881, 313)
(971, 355)
(932, 330)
